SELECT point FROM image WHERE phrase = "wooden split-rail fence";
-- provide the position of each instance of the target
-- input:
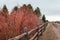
(25, 36)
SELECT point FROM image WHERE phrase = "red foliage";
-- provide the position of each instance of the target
(14, 23)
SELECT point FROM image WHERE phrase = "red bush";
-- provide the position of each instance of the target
(14, 23)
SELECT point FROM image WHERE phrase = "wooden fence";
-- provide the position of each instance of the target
(39, 30)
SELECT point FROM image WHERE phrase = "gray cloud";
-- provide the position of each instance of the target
(50, 7)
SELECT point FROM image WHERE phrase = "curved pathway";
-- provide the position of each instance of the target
(52, 32)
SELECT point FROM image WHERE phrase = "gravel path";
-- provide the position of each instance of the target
(52, 32)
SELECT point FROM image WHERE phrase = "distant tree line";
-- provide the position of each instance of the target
(37, 11)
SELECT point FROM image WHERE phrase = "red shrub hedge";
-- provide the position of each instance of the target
(14, 23)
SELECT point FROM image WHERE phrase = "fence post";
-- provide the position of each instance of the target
(38, 33)
(26, 31)
(41, 31)
(45, 26)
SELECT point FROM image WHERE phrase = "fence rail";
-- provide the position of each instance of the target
(39, 30)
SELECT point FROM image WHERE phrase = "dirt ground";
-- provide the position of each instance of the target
(52, 32)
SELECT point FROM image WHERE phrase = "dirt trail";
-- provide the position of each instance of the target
(52, 32)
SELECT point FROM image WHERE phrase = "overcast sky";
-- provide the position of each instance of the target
(51, 8)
